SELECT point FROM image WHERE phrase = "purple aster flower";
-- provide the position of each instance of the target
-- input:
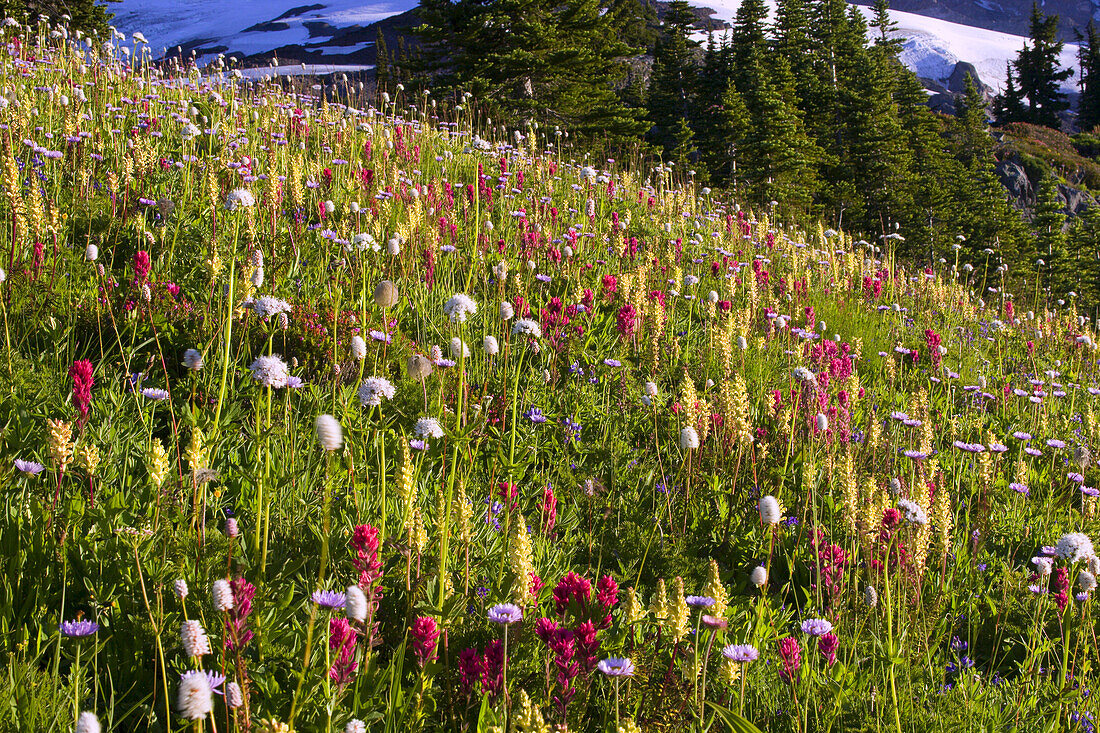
(1090, 491)
(79, 628)
(329, 598)
(505, 613)
(1075, 478)
(699, 601)
(29, 467)
(1020, 488)
(1021, 435)
(294, 382)
(152, 393)
(612, 362)
(816, 626)
(916, 455)
(1033, 451)
(1055, 443)
(417, 444)
(741, 653)
(616, 667)
(381, 336)
(998, 447)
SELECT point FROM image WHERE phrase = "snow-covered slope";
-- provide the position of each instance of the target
(247, 27)
(334, 30)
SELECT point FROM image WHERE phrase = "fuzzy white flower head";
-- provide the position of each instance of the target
(912, 511)
(233, 695)
(650, 389)
(459, 307)
(195, 641)
(689, 439)
(179, 587)
(759, 576)
(196, 700)
(769, 510)
(192, 359)
(91, 253)
(239, 197)
(355, 604)
(329, 433)
(712, 297)
(459, 349)
(803, 374)
(257, 278)
(428, 427)
(1086, 580)
(507, 312)
(742, 343)
(1074, 547)
(490, 345)
(500, 271)
(822, 422)
(355, 726)
(267, 306)
(527, 327)
(270, 371)
(87, 723)
(374, 389)
(222, 595)
(393, 246)
(358, 348)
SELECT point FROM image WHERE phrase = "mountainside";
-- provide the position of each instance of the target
(1008, 16)
(339, 35)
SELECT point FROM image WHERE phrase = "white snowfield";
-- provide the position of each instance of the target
(932, 46)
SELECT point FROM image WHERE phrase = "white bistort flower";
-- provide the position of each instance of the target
(689, 439)
(459, 307)
(527, 327)
(239, 197)
(1074, 547)
(195, 641)
(192, 359)
(222, 594)
(769, 510)
(355, 604)
(196, 700)
(490, 345)
(759, 576)
(374, 389)
(428, 427)
(507, 312)
(329, 433)
(87, 723)
(358, 348)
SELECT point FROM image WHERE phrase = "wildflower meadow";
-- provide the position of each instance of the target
(327, 413)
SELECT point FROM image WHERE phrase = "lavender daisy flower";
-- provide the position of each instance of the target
(79, 628)
(505, 613)
(381, 336)
(1033, 451)
(916, 455)
(616, 667)
(1021, 435)
(699, 601)
(1020, 488)
(612, 362)
(418, 444)
(816, 626)
(30, 468)
(152, 393)
(741, 653)
(1075, 478)
(329, 598)
(1055, 443)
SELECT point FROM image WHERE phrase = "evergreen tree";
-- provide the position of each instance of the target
(531, 60)
(1008, 106)
(885, 28)
(1088, 104)
(381, 63)
(973, 144)
(89, 16)
(1084, 241)
(671, 98)
(1048, 221)
(1039, 76)
(793, 43)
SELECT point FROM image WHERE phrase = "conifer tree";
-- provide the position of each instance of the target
(671, 99)
(1088, 104)
(1048, 221)
(1038, 75)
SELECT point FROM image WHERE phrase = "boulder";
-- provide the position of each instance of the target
(1014, 179)
(957, 81)
(1076, 200)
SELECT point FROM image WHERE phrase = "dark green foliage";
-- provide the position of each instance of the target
(1038, 76)
(672, 87)
(1088, 105)
(90, 16)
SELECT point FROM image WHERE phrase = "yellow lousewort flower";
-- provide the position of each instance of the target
(60, 441)
(87, 456)
(526, 716)
(418, 536)
(521, 562)
(676, 626)
(851, 490)
(714, 589)
(731, 671)
(633, 610)
(463, 512)
(628, 726)
(274, 726)
(406, 483)
(658, 604)
(156, 462)
(197, 454)
(942, 516)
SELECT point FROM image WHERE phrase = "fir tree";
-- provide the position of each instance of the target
(1038, 74)
(1048, 222)
(1088, 104)
(671, 98)
(973, 144)
(89, 16)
